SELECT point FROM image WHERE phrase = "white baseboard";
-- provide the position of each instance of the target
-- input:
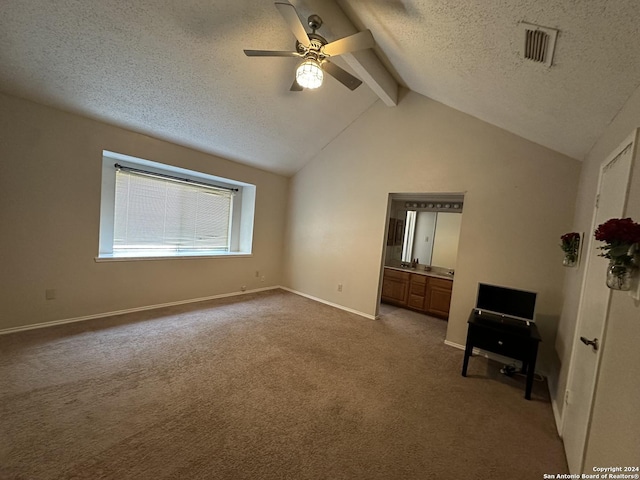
(341, 307)
(171, 304)
(130, 310)
(556, 414)
(455, 345)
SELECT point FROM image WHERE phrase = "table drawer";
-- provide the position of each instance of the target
(498, 342)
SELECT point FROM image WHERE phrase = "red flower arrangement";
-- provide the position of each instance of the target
(570, 241)
(619, 234)
(570, 244)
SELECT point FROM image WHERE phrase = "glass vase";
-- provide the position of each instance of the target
(569, 260)
(620, 276)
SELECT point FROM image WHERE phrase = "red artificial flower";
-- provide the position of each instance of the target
(570, 243)
(570, 237)
(619, 234)
(619, 231)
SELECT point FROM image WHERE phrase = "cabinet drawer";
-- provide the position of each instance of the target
(416, 301)
(441, 283)
(396, 274)
(418, 279)
(418, 288)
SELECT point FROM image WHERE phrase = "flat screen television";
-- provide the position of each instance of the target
(509, 302)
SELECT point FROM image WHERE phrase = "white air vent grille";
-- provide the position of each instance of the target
(539, 43)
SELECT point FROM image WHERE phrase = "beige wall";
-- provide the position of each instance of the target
(615, 432)
(50, 167)
(519, 199)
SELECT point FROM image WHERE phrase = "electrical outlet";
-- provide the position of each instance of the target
(339, 287)
(50, 294)
(262, 278)
(243, 288)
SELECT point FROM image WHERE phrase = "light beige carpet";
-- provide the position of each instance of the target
(263, 386)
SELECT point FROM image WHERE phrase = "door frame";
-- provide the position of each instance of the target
(401, 196)
(633, 140)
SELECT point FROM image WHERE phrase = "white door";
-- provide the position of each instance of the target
(593, 310)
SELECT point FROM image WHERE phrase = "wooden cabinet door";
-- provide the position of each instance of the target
(438, 299)
(395, 287)
(395, 291)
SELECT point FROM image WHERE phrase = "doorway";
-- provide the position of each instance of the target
(421, 248)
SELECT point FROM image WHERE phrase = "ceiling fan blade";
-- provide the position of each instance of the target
(341, 75)
(357, 41)
(290, 15)
(270, 53)
(295, 86)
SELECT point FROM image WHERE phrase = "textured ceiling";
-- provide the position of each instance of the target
(467, 55)
(175, 69)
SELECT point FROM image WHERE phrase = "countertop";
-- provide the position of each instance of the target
(420, 271)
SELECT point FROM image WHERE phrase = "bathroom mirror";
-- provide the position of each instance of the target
(431, 237)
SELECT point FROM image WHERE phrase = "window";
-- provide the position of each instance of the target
(154, 210)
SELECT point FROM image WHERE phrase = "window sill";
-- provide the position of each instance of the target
(183, 256)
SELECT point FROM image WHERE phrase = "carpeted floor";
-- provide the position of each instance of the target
(263, 386)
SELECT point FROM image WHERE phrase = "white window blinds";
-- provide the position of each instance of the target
(164, 216)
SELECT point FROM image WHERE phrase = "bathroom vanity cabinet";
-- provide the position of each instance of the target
(423, 292)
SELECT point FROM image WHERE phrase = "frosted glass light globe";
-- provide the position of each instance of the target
(309, 74)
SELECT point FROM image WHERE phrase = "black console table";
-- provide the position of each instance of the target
(511, 338)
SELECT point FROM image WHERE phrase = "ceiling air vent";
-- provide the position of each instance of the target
(539, 43)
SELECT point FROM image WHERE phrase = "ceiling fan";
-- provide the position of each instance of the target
(316, 51)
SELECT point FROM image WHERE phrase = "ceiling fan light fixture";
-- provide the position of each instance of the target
(309, 74)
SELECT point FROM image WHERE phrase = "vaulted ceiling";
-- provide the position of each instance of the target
(176, 69)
